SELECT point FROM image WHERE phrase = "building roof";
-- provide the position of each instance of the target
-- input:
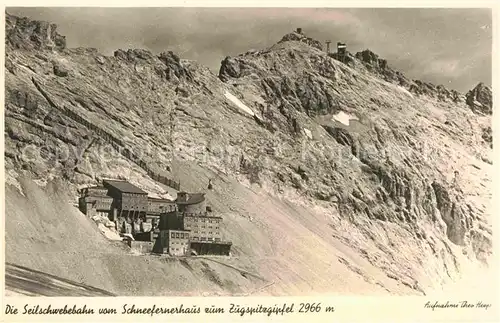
(94, 187)
(123, 186)
(159, 200)
(93, 190)
(193, 198)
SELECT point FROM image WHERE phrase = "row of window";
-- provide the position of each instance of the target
(205, 239)
(102, 205)
(133, 207)
(179, 235)
(204, 226)
(168, 207)
(99, 198)
(181, 243)
(204, 220)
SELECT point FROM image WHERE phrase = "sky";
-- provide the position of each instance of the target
(443, 46)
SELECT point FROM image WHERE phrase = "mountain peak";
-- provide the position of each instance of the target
(24, 33)
(479, 99)
(297, 35)
(370, 58)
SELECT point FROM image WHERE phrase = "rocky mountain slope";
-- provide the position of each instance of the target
(332, 177)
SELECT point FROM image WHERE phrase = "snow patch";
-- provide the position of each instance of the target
(105, 226)
(343, 118)
(402, 89)
(108, 233)
(396, 87)
(238, 103)
(164, 196)
(308, 133)
(11, 179)
(41, 182)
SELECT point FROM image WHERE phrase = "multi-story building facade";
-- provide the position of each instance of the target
(203, 227)
(178, 242)
(158, 206)
(130, 201)
(173, 242)
(179, 227)
(94, 201)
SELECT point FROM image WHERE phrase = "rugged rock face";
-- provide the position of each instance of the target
(385, 168)
(389, 131)
(23, 33)
(379, 67)
(479, 99)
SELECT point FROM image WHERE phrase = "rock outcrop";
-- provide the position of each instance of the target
(479, 99)
(295, 36)
(23, 33)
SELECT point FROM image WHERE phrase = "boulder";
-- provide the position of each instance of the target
(60, 71)
(479, 99)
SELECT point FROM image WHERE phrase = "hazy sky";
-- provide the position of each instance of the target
(443, 46)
